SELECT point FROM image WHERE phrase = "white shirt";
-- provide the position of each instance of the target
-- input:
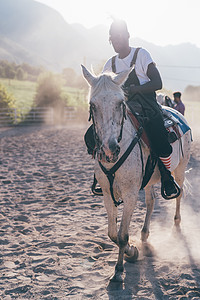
(141, 65)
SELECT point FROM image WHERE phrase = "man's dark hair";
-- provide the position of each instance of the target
(177, 94)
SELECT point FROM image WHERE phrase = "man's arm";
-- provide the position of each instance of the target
(153, 85)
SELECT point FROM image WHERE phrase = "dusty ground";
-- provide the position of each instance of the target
(53, 231)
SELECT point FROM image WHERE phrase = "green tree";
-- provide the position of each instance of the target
(48, 91)
(2, 72)
(48, 94)
(20, 74)
(6, 100)
(9, 71)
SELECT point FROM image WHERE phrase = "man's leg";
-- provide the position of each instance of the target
(158, 136)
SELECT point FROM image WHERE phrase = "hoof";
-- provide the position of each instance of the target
(117, 278)
(177, 222)
(147, 249)
(177, 229)
(132, 258)
(118, 274)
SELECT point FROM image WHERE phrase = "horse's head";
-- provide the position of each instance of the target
(107, 110)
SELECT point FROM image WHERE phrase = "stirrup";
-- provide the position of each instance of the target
(176, 186)
(96, 191)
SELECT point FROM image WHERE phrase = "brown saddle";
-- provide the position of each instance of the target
(170, 124)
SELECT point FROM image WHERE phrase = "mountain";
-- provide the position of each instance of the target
(179, 65)
(37, 34)
(40, 30)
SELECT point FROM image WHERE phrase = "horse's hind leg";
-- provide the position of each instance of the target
(179, 176)
(149, 199)
(179, 173)
(177, 217)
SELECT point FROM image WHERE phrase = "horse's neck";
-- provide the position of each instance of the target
(129, 133)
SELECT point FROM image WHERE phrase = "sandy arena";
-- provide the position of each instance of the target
(53, 234)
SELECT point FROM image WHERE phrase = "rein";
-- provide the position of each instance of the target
(111, 172)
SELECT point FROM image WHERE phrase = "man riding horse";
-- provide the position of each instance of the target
(139, 88)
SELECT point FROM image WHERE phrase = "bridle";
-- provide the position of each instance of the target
(122, 122)
(110, 173)
(96, 137)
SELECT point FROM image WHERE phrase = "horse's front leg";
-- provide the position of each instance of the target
(149, 199)
(112, 217)
(123, 237)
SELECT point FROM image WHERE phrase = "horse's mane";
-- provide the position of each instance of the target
(105, 82)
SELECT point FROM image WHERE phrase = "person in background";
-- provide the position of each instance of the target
(179, 106)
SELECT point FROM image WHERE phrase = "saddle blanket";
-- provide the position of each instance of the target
(174, 122)
(173, 116)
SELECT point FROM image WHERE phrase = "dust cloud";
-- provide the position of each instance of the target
(180, 244)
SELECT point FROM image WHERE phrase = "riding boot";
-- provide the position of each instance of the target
(169, 188)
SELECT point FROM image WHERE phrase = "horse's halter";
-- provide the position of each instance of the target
(96, 137)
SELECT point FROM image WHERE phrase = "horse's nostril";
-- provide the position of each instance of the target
(117, 149)
(114, 147)
(107, 159)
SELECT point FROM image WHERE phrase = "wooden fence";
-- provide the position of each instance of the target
(34, 115)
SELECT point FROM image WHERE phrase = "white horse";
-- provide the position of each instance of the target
(114, 133)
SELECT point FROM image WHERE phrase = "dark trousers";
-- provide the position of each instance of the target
(149, 113)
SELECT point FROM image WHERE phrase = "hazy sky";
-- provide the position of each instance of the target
(161, 22)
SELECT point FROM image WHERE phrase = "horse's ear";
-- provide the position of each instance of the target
(88, 76)
(121, 77)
